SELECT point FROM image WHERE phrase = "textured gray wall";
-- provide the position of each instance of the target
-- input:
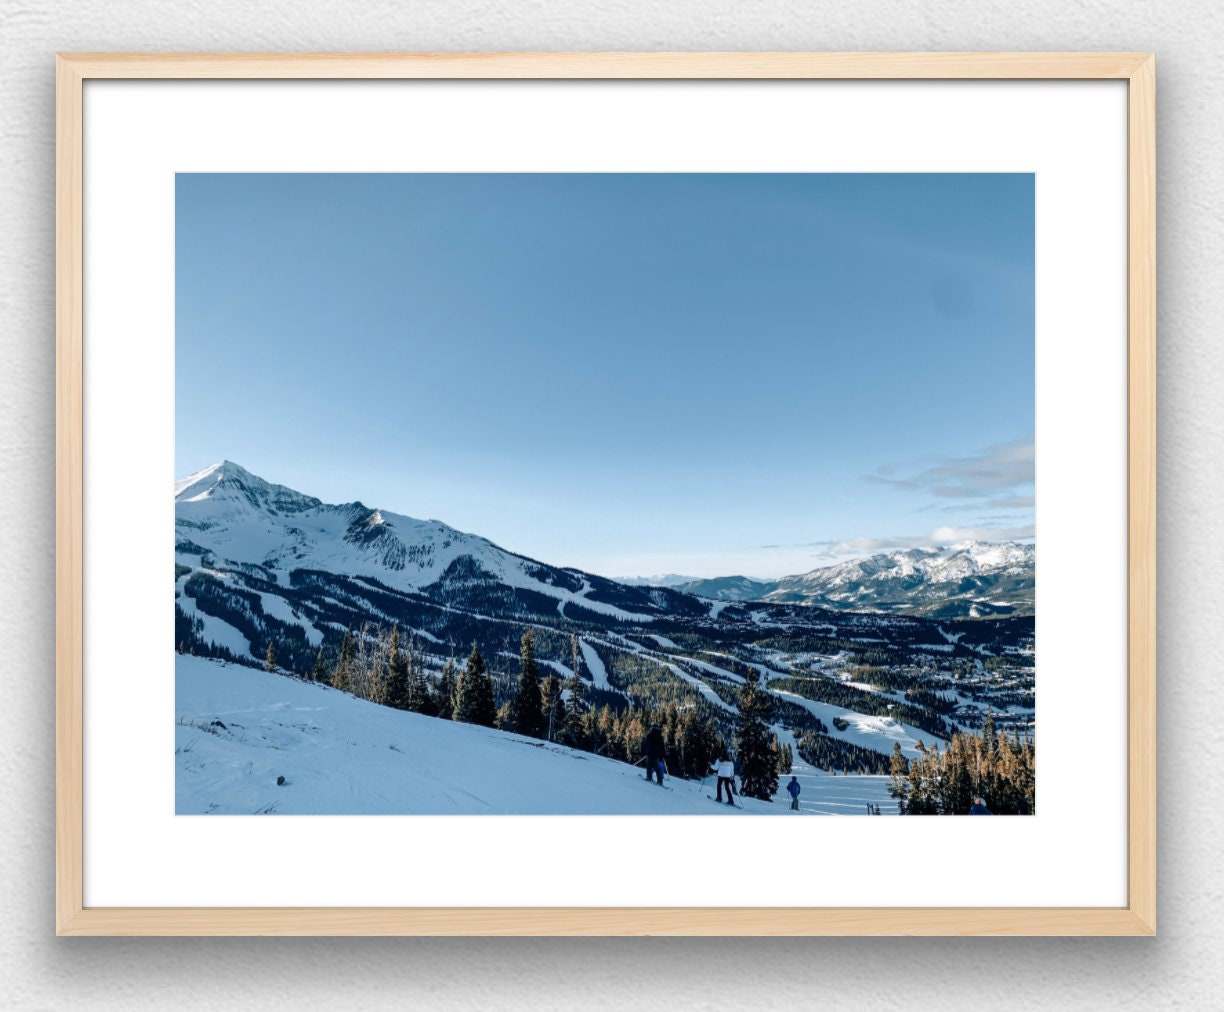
(1181, 968)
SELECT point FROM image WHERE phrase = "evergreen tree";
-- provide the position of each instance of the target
(987, 774)
(319, 672)
(697, 745)
(444, 696)
(758, 763)
(919, 799)
(421, 698)
(775, 747)
(526, 708)
(957, 780)
(342, 675)
(474, 693)
(504, 720)
(990, 737)
(632, 735)
(898, 768)
(396, 687)
(552, 706)
(607, 733)
(574, 732)
(270, 658)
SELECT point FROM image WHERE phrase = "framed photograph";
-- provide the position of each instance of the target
(604, 484)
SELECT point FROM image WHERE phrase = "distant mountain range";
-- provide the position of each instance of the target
(728, 588)
(973, 579)
(665, 580)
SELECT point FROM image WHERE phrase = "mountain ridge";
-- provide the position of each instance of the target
(215, 509)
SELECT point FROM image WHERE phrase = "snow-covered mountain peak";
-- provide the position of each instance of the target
(200, 482)
(227, 482)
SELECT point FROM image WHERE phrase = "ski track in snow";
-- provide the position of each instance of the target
(599, 674)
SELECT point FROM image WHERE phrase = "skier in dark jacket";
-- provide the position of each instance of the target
(653, 747)
(979, 807)
(793, 789)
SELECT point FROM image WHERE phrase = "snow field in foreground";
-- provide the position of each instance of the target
(238, 729)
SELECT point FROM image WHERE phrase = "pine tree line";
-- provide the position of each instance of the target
(374, 664)
(691, 742)
(993, 766)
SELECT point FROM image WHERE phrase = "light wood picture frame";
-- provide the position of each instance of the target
(1137, 917)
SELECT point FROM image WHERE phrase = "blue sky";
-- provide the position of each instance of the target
(634, 374)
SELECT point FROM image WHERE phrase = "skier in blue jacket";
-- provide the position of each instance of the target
(793, 790)
(979, 807)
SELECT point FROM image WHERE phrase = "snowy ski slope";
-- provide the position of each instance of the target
(238, 729)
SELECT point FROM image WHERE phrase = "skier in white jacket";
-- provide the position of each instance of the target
(725, 769)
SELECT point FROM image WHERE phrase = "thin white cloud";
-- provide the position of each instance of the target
(1003, 502)
(939, 537)
(997, 469)
(1012, 502)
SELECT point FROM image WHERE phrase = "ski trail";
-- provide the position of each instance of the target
(873, 732)
(714, 669)
(599, 674)
(707, 693)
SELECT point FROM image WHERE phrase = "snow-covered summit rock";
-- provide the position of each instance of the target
(227, 483)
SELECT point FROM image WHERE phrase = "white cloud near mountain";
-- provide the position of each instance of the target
(991, 491)
(997, 473)
(937, 538)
